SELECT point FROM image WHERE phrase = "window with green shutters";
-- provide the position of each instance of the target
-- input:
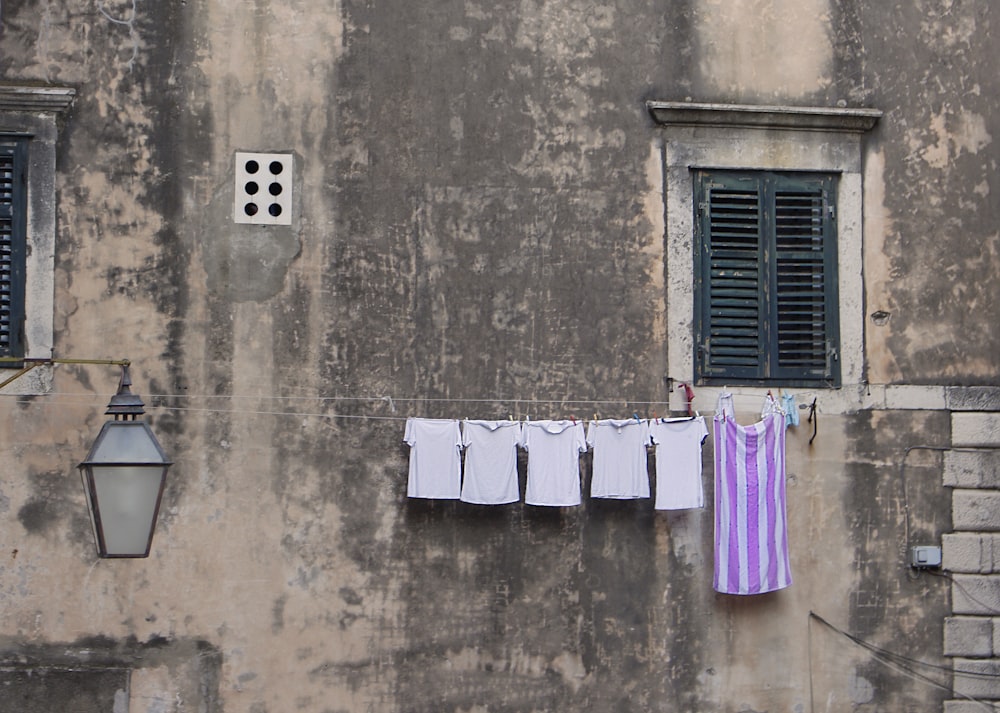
(765, 278)
(13, 209)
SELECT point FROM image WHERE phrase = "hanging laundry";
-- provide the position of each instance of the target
(620, 470)
(554, 449)
(435, 458)
(491, 461)
(679, 462)
(751, 536)
(791, 410)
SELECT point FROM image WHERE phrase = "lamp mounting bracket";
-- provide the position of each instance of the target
(29, 363)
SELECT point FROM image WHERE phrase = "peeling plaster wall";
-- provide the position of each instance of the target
(478, 230)
(935, 238)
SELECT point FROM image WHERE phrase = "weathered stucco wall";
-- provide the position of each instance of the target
(933, 241)
(478, 230)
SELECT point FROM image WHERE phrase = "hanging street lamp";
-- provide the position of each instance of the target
(123, 476)
(126, 470)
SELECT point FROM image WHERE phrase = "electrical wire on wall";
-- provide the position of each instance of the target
(988, 609)
(914, 574)
(915, 669)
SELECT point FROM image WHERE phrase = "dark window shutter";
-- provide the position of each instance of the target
(804, 278)
(732, 289)
(765, 293)
(13, 209)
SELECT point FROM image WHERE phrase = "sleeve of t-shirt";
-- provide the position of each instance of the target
(408, 435)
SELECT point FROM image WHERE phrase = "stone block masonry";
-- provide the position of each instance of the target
(972, 555)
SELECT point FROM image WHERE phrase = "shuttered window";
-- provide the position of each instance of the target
(13, 209)
(766, 278)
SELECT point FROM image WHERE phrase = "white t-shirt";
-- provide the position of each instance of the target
(491, 462)
(554, 449)
(620, 469)
(678, 462)
(435, 458)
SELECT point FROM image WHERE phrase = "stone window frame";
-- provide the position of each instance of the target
(34, 111)
(760, 138)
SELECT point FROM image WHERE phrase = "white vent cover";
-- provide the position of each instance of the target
(263, 188)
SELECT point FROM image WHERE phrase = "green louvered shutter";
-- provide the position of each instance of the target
(13, 209)
(804, 279)
(732, 286)
(765, 292)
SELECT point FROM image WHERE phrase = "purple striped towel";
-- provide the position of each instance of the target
(751, 535)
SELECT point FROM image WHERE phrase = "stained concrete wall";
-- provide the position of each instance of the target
(478, 230)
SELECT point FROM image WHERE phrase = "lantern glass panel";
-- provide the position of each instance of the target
(126, 504)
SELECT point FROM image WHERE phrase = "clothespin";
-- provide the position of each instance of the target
(572, 418)
(635, 415)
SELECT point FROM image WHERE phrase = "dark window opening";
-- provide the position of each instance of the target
(766, 278)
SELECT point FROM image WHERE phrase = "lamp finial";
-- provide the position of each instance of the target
(125, 403)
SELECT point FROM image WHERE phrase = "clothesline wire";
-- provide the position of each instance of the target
(297, 414)
(248, 412)
(394, 399)
(625, 401)
(506, 406)
(291, 397)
